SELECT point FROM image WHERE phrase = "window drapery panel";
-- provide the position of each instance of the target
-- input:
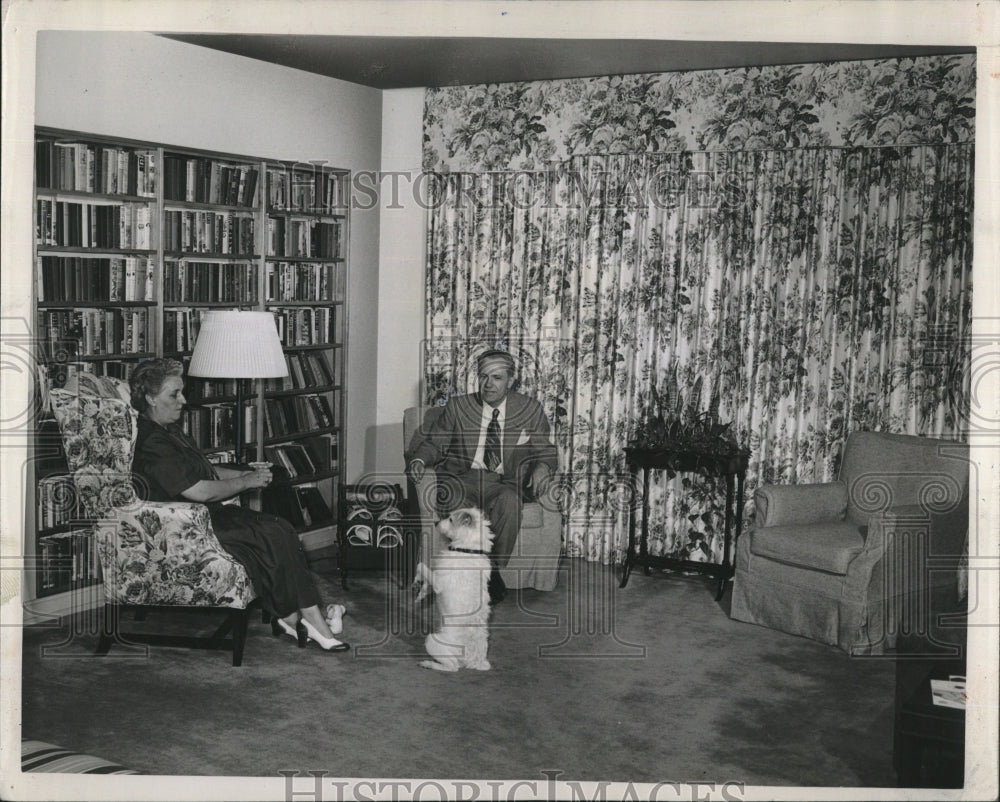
(799, 294)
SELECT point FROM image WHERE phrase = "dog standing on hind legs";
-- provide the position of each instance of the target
(459, 578)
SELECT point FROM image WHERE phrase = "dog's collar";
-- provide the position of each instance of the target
(467, 551)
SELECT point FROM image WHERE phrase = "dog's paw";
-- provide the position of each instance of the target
(483, 666)
(434, 664)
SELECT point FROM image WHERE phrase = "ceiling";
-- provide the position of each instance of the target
(387, 62)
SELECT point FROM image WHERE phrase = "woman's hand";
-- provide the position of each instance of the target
(231, 484)
(260, 476)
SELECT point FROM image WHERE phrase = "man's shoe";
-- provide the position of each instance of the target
(496, 587)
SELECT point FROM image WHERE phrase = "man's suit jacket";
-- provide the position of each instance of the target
(449, 443)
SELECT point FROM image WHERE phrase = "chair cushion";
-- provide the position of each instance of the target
(828, 547)
(531, 515)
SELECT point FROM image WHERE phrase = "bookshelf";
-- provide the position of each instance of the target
(135, 241)
(304, 285)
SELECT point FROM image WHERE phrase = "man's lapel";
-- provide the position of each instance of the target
(472, 417)
(512, 428)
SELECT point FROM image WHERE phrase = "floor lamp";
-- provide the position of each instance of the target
(238, 345)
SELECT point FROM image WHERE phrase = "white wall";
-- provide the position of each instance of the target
(401, 276)
(140, 86)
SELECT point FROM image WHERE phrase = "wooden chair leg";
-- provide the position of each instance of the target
(240, 619)
(109, 629)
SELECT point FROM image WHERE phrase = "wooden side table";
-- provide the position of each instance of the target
(731, 465)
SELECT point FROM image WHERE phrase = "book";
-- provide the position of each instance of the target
(314, 508)
(949, 692)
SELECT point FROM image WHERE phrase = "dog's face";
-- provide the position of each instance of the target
(467, 528)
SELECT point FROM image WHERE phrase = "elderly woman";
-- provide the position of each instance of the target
(169, 466)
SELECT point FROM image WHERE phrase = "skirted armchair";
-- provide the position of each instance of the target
(854, 562)
(534, 562)
(152, 554)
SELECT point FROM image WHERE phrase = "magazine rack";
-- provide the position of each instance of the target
(373, 533)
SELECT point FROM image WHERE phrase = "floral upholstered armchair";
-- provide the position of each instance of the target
(152, 554)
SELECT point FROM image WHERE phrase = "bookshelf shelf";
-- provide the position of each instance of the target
(95, 304)
(318, 302)
(327, 388)
(207, 305)
(74, 195)
(215, 256)
(272, 257)
(112, 357)
(78, 250)
(180, 205)
(135, 241)
(298, 214)
(314, 347)
(292, 436)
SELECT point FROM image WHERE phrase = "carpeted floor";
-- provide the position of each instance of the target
(650, 683)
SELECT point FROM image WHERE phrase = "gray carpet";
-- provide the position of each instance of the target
(650, 683)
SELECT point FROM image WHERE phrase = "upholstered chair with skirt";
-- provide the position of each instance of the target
(534, 562)
(152, 554)
(858, 561)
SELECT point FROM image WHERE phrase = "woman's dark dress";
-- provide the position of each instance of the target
(167, 462)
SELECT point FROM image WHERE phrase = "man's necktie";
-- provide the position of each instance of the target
(491, 452)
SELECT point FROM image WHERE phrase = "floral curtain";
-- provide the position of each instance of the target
(799, 294)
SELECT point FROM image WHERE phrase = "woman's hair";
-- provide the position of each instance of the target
(148, 378)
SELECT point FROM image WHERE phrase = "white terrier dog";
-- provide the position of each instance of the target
(459, 579)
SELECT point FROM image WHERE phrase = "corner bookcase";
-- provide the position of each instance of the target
(134, 242)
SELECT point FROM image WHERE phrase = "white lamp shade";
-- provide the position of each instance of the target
(238, 345)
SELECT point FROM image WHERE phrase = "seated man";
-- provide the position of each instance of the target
(494, 444)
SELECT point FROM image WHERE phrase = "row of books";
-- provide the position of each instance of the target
(57, 502)
(180, 329)
(300, 190)
(60, 372)
(213, 425)
(289, 415)
(200, 180)
(305, 237)
(198, 389)
(305, 325)
(215, 282)
(94, 279)
(296, 326)
(307, 369)
(83, 167)
(67, 560)
(297, 281)
(306, 456)
(208, 232)
(95, 332)
(76, 224)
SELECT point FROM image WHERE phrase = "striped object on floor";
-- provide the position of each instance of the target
(39, 756)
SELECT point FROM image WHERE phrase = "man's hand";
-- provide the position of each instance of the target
(541, 475)
(417, 469)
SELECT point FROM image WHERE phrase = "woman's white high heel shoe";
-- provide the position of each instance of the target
(279, 626)
(326, 644)
(335, 617)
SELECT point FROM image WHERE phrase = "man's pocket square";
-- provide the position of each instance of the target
(524, 437)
